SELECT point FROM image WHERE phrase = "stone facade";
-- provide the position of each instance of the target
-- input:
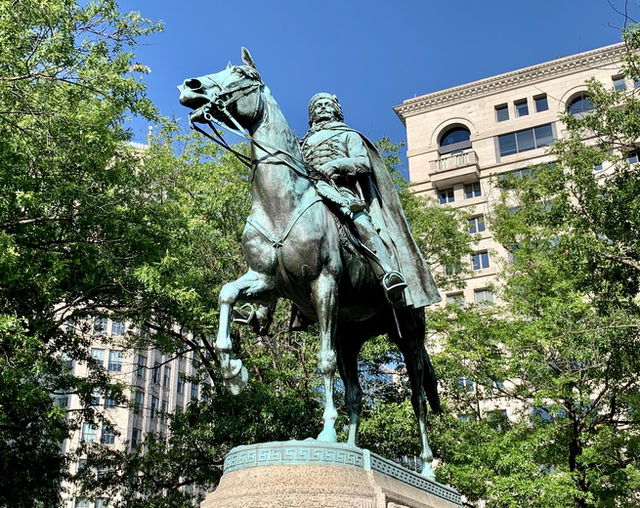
(460, 140)
(156, 383)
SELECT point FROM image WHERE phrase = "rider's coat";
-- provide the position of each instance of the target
(363, 176)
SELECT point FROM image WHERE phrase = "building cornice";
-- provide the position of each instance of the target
(510, 80)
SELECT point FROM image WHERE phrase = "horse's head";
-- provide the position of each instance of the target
(235, 92)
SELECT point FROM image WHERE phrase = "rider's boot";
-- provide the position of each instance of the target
(391, 279)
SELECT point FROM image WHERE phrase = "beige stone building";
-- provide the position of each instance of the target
(157, 384)
(460, 140)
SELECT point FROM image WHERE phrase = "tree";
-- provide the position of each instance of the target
(72, 225)
(566, 337)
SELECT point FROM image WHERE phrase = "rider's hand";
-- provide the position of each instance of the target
(329, 169)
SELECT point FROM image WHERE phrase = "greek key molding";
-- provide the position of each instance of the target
(501, 82)
(312, 452)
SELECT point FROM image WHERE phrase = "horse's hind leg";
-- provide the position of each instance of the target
(348, 350)
(252, 286)
(411, 346)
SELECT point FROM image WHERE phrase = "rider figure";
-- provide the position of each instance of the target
(340, 155)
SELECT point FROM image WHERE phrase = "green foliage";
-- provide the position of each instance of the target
(566, 334)
(30, 427)
(71, 225)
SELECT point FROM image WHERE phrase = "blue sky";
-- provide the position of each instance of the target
(372, 54)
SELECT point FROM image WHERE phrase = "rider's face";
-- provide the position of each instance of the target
(324, 110)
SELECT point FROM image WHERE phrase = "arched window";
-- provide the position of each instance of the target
(455, 139)
(580, 105)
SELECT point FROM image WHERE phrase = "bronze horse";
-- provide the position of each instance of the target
(292, 245)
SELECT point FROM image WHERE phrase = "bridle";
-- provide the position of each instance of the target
(221, 103)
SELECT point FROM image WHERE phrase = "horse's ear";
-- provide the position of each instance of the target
(246, 58)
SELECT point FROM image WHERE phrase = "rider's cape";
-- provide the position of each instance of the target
(386, 213)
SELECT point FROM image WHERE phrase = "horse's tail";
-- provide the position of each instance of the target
(430, 383)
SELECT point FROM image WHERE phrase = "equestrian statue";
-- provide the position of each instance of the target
(326, 230)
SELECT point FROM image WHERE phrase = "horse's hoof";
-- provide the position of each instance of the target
(427, 472)
(328, 436)
(232, 369)
(237, 383)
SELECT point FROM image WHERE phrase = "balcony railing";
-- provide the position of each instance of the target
(454, 161)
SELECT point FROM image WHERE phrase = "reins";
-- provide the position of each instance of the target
(240, 132)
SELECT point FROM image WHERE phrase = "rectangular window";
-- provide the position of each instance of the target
(108, 403)
(527, 139)
(446, 195)
(465, 384)
(180, 382)
(633, 157)
(619, 83)
(194, 391)
(154, 406)
(597, 167)
(138, 401)
(61, 402)
(98, 356)
(521, 173)
(507, 144)
(498, 385)
(115, 361)
(482, 297)
(108, 435)
(476, 224)
(83, 503)
(456, 299)
(472, 190)
(480, 260)
(136, 437)
(468, 417)
(543, 135)
(636, 82)
(522, 108)
(89, 432)
(155, 373)
(502, 113)
(541, 103)
(166, 380)
(165, 410)
(100, 325)
(117, 328)
(141, 369)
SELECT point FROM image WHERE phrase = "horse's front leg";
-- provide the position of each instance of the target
(252, 286)
(324, 292)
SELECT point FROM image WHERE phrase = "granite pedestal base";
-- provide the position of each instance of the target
(313, 474)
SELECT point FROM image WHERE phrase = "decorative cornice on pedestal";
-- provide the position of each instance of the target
(319, 453)
(509, 80)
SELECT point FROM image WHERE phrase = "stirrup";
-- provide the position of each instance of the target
(393, 284)
(245, 314)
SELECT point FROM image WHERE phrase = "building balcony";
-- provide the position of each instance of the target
(454, 168)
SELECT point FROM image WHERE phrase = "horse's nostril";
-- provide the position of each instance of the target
(193, 84)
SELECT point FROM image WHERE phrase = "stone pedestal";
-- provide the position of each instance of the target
(313, 474)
